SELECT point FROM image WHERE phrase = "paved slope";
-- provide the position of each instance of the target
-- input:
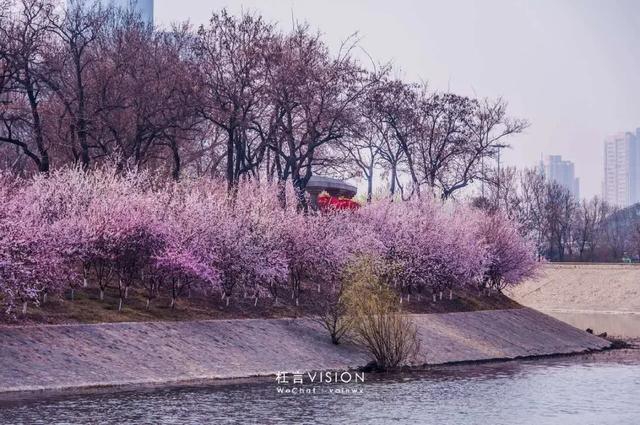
(75, 356)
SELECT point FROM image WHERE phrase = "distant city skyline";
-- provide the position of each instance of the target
(143, 7)
(621, 184)
(569, 67)
(555, 169)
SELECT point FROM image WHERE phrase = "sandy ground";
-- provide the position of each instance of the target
(583, 288)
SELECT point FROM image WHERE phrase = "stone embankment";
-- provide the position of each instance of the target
(73, 357)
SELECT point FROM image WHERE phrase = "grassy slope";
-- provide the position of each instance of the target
(87, 308)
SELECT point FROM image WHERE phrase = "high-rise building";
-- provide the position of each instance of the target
(621, 185)
(555, 169)
(143, 7)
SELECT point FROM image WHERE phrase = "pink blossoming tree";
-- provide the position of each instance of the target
(118, 229)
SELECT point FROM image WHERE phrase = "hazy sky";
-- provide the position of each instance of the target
(571, 67)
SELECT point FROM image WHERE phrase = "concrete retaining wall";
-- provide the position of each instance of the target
(80, 356)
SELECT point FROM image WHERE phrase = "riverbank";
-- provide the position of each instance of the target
(602, 297)
(599, 387)
(73, 357)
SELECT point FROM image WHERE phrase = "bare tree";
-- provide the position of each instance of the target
(587, 227)
(233, 55)
(615, 230)
(369, 144)
(487, 128)
(560, 209)
(397, 104)
(78, 30)
(532, 210)
(315, 98)
(24, 41)
(147, 101)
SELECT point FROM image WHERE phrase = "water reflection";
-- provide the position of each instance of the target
(620, 324)
(594, 389)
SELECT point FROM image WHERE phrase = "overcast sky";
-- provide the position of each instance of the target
(571, 67)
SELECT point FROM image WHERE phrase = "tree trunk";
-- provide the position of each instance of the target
(299, 185)
(229, 171)
(72, 294)
(43, 162)
(370, 185)
(81, 121)
(148, 303)
(24, 307)
(282, 193)
(412, 171)
(175, 173)
(394, 176)
(101, 294)
(120, 304)
(84, 277)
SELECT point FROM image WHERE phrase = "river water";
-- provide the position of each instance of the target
(616, 323)
(602, 388)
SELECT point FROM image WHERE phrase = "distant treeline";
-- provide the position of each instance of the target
(562, 227)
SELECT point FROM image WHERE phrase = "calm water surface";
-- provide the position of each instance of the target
(595, 389)
(620, 324)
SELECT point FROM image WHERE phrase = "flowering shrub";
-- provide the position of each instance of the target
(131, 230)
(509, 259)
(28, 266)
(426, 246)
